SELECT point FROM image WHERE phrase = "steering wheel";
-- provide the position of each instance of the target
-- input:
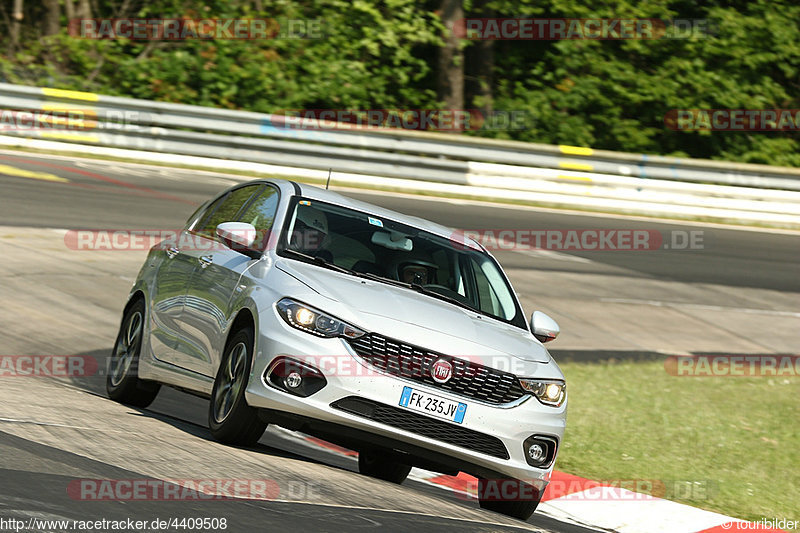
(437, 286)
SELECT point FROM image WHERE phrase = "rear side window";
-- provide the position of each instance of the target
(225, 209)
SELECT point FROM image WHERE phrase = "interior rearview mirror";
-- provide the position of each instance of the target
(544, 328)
(392, 240)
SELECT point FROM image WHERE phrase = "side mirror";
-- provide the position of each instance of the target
(544, 328)
(237, 234)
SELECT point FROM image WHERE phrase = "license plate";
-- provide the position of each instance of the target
(433, 405)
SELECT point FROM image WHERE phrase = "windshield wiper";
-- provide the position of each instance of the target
(421, 289)
(321, 261)
(376, 277)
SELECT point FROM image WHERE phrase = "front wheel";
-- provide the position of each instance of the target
(122, 383)
(230, 419)
(382, 466)
(510, 497)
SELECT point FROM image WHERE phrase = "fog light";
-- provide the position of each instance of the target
(295, 377)
(293, 380)
(540, 450)
(536, 453)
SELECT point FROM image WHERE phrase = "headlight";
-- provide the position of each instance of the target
(316, 322)
(548, 392)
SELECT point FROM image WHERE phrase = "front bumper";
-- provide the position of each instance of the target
(348, 377)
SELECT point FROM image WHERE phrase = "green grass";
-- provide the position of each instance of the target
(730, 445)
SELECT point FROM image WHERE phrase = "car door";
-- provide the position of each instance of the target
(217, 270)
(168, 293)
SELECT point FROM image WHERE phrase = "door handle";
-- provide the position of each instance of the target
(172, 251)
(206, 260)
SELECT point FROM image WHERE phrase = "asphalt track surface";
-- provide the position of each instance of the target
(108, 196)
(124, 199)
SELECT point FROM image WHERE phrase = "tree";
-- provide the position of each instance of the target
(16, 22)
(480, 63)
(450, 74)
(389, 54)
(52, 17)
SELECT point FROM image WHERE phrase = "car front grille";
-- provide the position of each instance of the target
(424, 425)
(411, 362)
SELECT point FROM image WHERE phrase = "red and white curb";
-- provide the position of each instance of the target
(587, 503)
(593, 504)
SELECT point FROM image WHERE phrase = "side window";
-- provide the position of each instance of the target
(493, 294)
(225, 209)
(199, 213)
(261, 214)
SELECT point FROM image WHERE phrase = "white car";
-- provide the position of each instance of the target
(292, 305)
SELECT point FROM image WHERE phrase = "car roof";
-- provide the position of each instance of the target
(331, 197)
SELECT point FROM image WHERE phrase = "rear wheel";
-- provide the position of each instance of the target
(510, 497)
(122, 383)
(230, 419)
(382, 466)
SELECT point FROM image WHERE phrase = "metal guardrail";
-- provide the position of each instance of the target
(456, 160)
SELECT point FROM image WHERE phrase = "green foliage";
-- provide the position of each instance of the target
(615, 94)
(368, 58)
(382, 54)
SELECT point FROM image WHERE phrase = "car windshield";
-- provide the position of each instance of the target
(364, 245)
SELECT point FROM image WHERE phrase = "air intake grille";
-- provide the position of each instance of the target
(411, 362)
(423, 425)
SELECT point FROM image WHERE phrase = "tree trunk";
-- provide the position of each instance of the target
(451, 58)
(69, 10)
(16, 20)
(52, 17)
(84, 10)
(482, 65)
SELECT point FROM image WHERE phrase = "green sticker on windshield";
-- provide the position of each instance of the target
(375, 222)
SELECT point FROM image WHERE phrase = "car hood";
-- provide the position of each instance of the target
(415, 318)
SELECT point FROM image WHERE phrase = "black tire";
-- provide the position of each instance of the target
(122, 383)
(521, 505)
(380, 465)
(230, 419)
